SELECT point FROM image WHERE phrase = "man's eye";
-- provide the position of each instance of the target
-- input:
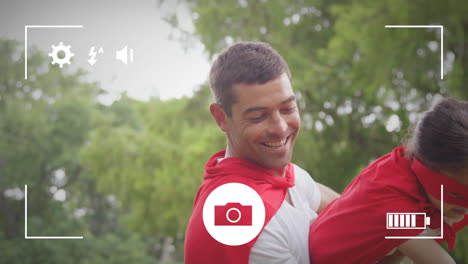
(289, 110)
(455, 195)
(257, 118)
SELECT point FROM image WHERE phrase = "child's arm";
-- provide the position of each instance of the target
(425, 251)
(395, 258)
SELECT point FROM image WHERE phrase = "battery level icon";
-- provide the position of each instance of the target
(407, 221)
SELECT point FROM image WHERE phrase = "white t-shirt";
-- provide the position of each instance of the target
(285, 239)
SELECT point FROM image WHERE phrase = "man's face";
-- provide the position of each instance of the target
(264, 123)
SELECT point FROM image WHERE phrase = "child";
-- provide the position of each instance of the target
(353, 229)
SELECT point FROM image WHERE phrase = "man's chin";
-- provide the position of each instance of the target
(275, 164)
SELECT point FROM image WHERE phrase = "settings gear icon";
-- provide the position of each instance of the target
(65, 58)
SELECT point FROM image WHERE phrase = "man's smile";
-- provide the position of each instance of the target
(276, 144)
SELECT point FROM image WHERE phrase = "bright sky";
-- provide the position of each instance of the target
(161, 66)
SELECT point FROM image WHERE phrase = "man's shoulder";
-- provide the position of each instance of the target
(302, 176)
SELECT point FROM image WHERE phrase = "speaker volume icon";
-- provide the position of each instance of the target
(125, 55)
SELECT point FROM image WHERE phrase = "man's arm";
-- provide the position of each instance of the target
(425, 251)
(327, 196)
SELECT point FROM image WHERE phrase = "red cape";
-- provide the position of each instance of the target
(200, 247)
(352, 229)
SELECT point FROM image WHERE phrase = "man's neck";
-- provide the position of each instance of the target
(281, 172)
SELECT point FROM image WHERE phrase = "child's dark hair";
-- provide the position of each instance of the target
(440, 138)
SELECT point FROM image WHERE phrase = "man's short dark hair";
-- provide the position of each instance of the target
(244, 62)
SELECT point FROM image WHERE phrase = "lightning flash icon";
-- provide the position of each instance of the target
(92, 55)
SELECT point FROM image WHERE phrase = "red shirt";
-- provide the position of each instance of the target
(352, 229)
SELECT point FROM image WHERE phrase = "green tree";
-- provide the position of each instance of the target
(44, 123)
(156, 166)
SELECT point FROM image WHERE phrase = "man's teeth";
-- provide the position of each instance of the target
(275, 144)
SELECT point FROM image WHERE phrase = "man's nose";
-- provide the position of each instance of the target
(278, 125)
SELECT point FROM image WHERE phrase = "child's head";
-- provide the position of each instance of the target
(440, 142)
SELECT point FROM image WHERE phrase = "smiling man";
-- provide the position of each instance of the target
(264, 123)
(256, 108)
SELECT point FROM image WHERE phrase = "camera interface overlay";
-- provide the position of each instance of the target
(234, 214)
(415, 220)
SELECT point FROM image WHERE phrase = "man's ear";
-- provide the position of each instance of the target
(220, 116)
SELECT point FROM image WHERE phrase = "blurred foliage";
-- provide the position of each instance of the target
(154, 167)
(44, 123)
(131, 169)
